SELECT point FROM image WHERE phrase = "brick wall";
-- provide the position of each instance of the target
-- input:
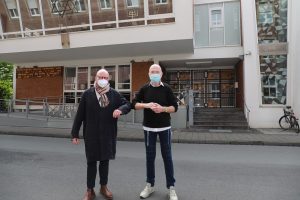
(98, 15)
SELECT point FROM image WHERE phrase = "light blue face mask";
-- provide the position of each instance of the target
(154, 78)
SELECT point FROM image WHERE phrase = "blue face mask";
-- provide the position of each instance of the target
(154, 78)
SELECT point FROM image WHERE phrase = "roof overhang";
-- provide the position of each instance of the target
(184, 46)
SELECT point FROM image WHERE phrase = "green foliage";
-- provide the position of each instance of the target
(6, 90)
(6, 71)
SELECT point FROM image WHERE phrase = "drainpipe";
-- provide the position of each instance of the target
(191, 108)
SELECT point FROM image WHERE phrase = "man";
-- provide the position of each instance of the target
(99, 110)
(158, 101)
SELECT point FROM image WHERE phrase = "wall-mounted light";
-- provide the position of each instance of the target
(198, 62)
(247, 53)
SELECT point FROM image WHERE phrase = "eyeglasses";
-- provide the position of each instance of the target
(102, 77)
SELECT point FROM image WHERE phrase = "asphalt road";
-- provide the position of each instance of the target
(41, 168)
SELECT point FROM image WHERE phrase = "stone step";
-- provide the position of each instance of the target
(218, 117)
(221, 123)
(219, 113)
(218, 109)
(200, 120)
(223, 127)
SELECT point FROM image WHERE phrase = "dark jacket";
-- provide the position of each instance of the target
(99, 126)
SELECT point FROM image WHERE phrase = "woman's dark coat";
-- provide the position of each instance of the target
(99, 126)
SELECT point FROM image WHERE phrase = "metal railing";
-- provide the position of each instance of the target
(48, 108)
(248, 113)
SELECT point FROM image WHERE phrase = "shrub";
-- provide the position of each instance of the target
(6, 92)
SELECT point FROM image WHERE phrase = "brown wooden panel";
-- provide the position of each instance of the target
(140, 75)
(39, 82)
(240, 89)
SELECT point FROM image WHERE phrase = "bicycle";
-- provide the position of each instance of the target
(288, 120)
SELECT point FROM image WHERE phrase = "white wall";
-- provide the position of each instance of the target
(294, 52)
(266, 116)
(251, 69)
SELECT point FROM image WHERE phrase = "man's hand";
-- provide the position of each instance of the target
(75, 141)
(117, 113)
(157, 108)
(149, 105)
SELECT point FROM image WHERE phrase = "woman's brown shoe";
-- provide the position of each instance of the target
(105, 192)
(89, 195)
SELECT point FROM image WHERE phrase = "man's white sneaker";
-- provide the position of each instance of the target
(172, 194)
(147, 191)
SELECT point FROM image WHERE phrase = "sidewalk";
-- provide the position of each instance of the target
(133, 132)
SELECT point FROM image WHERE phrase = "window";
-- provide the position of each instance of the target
(55, 6)
(12, 8)
(273, 70)
(33, 7)
(82, 78)
(269, 86)
(70, 78)
(216, 18)
(215, 90)
(105, 4)
(132, 3)
(265, 13)
(217, 24)
(112, 75)
(161, 1)
(272, 21)
(79, 5)
(94, 70)
(124, 77)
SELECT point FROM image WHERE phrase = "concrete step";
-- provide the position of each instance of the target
(217, 118)
(214, 113)
(220, 118)
(218, 109)
(221, 123)
(223, 127)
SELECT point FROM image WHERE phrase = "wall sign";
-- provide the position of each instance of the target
(39, 72)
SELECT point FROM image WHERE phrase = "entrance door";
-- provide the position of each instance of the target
(214, 88)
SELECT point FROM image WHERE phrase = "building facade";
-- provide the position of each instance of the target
(230, 53)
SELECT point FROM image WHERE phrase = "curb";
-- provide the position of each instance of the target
(183, 141)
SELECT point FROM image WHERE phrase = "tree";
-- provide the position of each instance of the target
(6, 80)
(6, 71)
(6, 90)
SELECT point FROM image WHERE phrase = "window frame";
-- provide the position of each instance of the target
(161, 2)
(269, 87)
(35, 9)
(133, 6)
(265, 14)
(211, 24)
(79, 4)
(215, 93)
(56, 5)
(13, 11)
(124, 86)
(105, 8)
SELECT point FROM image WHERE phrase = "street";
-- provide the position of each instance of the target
(43, 168)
